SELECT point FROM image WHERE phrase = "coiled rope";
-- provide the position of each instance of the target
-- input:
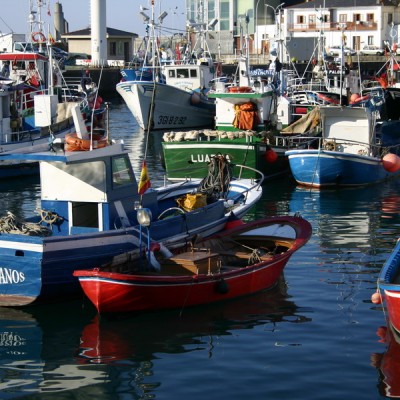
(12, 225)
(216, 183)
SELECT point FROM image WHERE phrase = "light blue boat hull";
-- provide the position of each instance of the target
(320, 168)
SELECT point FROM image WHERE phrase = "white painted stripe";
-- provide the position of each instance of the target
(392, 294)
(210, 146)
(35, 247)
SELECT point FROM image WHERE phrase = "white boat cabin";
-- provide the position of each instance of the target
(91, 191)
(347, 129)
(190, 76)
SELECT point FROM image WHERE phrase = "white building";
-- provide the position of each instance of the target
(357, 22)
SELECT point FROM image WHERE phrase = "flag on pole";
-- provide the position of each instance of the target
(51, 39)
(144, 182)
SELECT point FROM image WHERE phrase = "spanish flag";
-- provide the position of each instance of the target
(51, 39)
(144, 182)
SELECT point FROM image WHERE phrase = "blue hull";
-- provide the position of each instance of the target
(39, 269)
(390, 271)
(320, 168)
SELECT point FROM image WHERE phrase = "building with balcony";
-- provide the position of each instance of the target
(357, 22)
(351, 22)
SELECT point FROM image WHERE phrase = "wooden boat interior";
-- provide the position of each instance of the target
(216, 255)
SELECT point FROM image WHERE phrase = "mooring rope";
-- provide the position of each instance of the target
(9, 223)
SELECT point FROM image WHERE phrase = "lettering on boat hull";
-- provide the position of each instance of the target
(203, 158)
(170, 120)
(11, 276)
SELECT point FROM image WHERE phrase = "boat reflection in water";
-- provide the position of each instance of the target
(53, 349)
(37, 352)
(388, 363)
(142, 336)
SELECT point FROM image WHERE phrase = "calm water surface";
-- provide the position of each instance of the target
(313, 337)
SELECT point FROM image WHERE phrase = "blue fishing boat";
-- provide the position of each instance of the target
(353, 150)
(93, 209)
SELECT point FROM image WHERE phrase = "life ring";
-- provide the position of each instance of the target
(330, 145)
(240, 89)
(73, 143)
(327, 98)
(38, 37)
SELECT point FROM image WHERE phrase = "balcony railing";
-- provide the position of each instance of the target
(334, 26)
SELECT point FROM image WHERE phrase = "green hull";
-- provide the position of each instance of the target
(189, 159)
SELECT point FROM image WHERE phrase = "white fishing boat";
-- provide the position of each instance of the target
(36, 107)
(175, 94)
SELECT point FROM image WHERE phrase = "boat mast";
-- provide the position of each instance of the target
(35, 20)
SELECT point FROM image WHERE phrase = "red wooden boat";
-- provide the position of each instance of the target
(239, 261)
(389, 287)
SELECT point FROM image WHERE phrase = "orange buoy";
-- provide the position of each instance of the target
(391, 162)
(376, 298)
(270, 156)
(354, 97)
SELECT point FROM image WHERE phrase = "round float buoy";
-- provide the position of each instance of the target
(222, 287)
(354, 97)
(270, 156)
(376, 298)
(391, 162)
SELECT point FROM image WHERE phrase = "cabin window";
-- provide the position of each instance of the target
(193, 73)
(172, 73)
(121, 171)
(182, 73)
(85, 215)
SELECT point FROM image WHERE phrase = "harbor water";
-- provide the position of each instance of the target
(315, 336)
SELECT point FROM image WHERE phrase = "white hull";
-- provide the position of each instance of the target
(174, 108)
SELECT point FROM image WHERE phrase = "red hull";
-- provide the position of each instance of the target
(113, 292)
(392, 299)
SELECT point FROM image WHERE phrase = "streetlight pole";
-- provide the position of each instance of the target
(277, 11)
(256, 26)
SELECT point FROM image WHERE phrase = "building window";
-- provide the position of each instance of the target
(311, 19)
(300, 19)
(390, 18)
(342, 17)
(224, 15)
(356, 17)
(370, 40)
(370, 17)
(113, 49)
(120, 48)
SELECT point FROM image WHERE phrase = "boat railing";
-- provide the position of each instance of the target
(259, 175)
(339, 145)
(298, 141)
